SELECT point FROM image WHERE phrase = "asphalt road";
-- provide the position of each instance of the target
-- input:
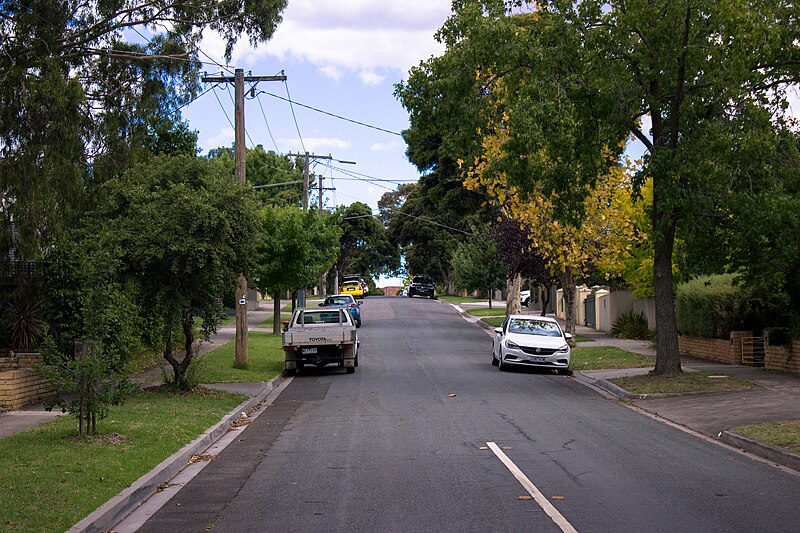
(401, 445)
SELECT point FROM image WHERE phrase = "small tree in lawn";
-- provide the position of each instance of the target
(185, 230)
(294, 249)
(92, 331)
(476, 266)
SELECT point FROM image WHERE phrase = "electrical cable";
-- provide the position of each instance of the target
(331, 114)
(291, 106)
(269, 130)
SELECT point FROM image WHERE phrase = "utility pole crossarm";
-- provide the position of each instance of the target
(230, 79)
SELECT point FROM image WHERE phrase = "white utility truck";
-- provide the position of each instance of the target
(320, 337)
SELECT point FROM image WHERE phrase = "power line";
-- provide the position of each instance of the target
(291, 106)
(269, 130)
(332, 114)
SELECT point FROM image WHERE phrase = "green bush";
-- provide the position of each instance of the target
(632, 325)
(712, 306)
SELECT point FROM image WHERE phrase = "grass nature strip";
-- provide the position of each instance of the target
(264, 362)
(606, 358)
(784, 434)
(684, 383)
(51, 480)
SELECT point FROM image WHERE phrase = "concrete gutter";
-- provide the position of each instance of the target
(114, 510)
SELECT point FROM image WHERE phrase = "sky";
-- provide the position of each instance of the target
(342, 57)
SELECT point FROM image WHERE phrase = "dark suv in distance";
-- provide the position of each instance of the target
(422, 286)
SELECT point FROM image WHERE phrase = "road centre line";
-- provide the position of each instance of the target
(526, 483)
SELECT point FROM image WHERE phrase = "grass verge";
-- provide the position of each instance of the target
(494, 321)
(784, 434)
(264, 362)
(686, 382)
(606, 358)
(51, 480)
(485, 311)
(461, 299)
(268, 322)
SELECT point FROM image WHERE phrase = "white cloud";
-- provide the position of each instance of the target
(387, 147)
(314, 144)
(341, 37)
(370, 78)
(223, 138)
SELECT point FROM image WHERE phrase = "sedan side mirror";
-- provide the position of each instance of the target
(498, 331)
(359, 303)
(568, 335)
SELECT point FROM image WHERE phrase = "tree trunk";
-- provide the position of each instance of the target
(276, 313)
(545, 299)
(170, 356)
(568, 286)
(513, 305)
(668, 360)
(490, 298)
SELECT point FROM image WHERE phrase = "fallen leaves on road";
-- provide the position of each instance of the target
(196, 458)
(524, 498)
(558, 497)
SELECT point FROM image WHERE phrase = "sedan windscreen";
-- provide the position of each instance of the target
(531, 326)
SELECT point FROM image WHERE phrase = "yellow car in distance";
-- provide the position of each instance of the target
(353, 288)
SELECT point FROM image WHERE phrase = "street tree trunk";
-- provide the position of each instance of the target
(276, 313)
(568, 286)
(514, 284)
(668, 360)
(545, 299)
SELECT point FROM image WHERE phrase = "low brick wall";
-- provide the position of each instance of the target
(782, 359)
(724, 351)
(19, 384)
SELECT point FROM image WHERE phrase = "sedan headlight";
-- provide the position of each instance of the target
(563, 349)
(512, 345)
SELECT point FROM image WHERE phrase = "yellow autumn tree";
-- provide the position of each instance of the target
(603, 236)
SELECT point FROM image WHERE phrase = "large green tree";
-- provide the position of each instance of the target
(83, 85)
(278, 179)
(690, 80)
(183, 231)
(365, 247)
(476, 265)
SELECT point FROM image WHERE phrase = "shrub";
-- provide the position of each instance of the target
(632, 325)
(711, 306)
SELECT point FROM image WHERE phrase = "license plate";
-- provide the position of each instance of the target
(539, 359)
(308, 351)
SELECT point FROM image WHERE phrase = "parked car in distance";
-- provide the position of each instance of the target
(422, 286)
(356, 277)
(526, 340)
(525, 298)
(345, 301)
(352, 288)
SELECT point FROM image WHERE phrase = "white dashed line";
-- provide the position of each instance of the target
(526, 483)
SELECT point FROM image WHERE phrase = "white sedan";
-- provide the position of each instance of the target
(527, 340)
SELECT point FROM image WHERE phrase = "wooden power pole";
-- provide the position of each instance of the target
(240, 153)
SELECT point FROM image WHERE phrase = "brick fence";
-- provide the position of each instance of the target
(782, 358)
(724, 351)
(19, 384)
(729, 351)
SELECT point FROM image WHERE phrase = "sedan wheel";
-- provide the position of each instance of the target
(494, 360)
(500, 365)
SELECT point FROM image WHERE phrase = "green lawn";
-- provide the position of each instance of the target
(494, 321)
(51, 480)
(265, 361)
(784, 434)
(461, 299)
(606, 358)
(485, 311)
(686, 382)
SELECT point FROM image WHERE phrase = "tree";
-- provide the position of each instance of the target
(365, 248)
(275, 171)
(513, 243)
(82, 86)
(184, 231)
(295, 248)
(476, 265)
(583, 75)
